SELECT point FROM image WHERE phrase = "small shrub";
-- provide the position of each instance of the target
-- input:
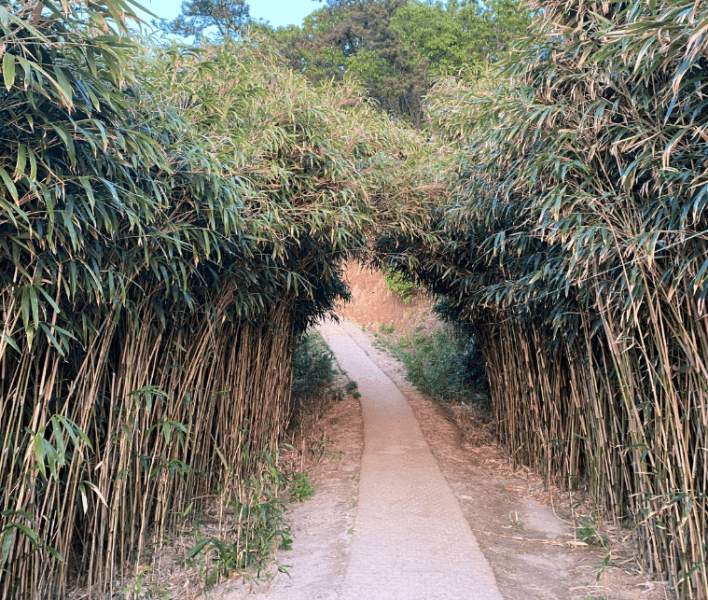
(387, 329)
(443, 364)
(302, 488)
(352, 388)
(407, 290)
(430, 364)
(313, 365)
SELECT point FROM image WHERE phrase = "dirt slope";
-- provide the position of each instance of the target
(373, 304)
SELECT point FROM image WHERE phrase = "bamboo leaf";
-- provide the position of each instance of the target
(21, 162)
(9, 185)
(198, 547)
(26, 307)
(8, 70)
(10, 341)
(39, 455)
(7, 535)
(63, 85)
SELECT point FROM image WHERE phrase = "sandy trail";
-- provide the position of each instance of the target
(411, 540)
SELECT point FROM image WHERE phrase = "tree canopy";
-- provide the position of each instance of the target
(460, 37)
(399, 48)
(209, 18)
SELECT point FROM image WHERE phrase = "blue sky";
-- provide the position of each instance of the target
(278, 12)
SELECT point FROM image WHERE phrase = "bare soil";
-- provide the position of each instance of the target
(373, 304)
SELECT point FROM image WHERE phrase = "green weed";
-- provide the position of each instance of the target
(432, 364)
(588, 533)
(387, 329)
(254, 531)
(352, 388)
(313, 365)
(302, 488)
(406, 290)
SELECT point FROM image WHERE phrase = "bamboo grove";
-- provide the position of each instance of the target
(170, 219)
(576, 243)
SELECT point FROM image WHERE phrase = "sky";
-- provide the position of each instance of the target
(278, 12)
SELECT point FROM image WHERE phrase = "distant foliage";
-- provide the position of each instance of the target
(201, 19)
(397, 49)
(461, 38)
(406, 290)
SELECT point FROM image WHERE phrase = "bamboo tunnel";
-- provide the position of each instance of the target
(102, 453)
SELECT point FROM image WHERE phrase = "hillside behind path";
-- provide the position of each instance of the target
(411, 540)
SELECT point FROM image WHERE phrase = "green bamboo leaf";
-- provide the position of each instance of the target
(26, 308)
(27, 68)
(33, 164)
(89, 190)
(699, 279)
(52, 338)
(65, 136)
(7, 535)
(48, 298)
(198, 548)
(74, 431)
(35, 305)
(9, 185)
(10, 210)
(8, 70)
(66, 216)
(59, 438)
(160, 312)
(31, 534)
(10, 341)
(91, 60)
(38, 446)
(167, 431)
(55, 553)
(63, 85)
(21, 162)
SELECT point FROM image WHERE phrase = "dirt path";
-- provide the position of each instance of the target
(411, 540)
